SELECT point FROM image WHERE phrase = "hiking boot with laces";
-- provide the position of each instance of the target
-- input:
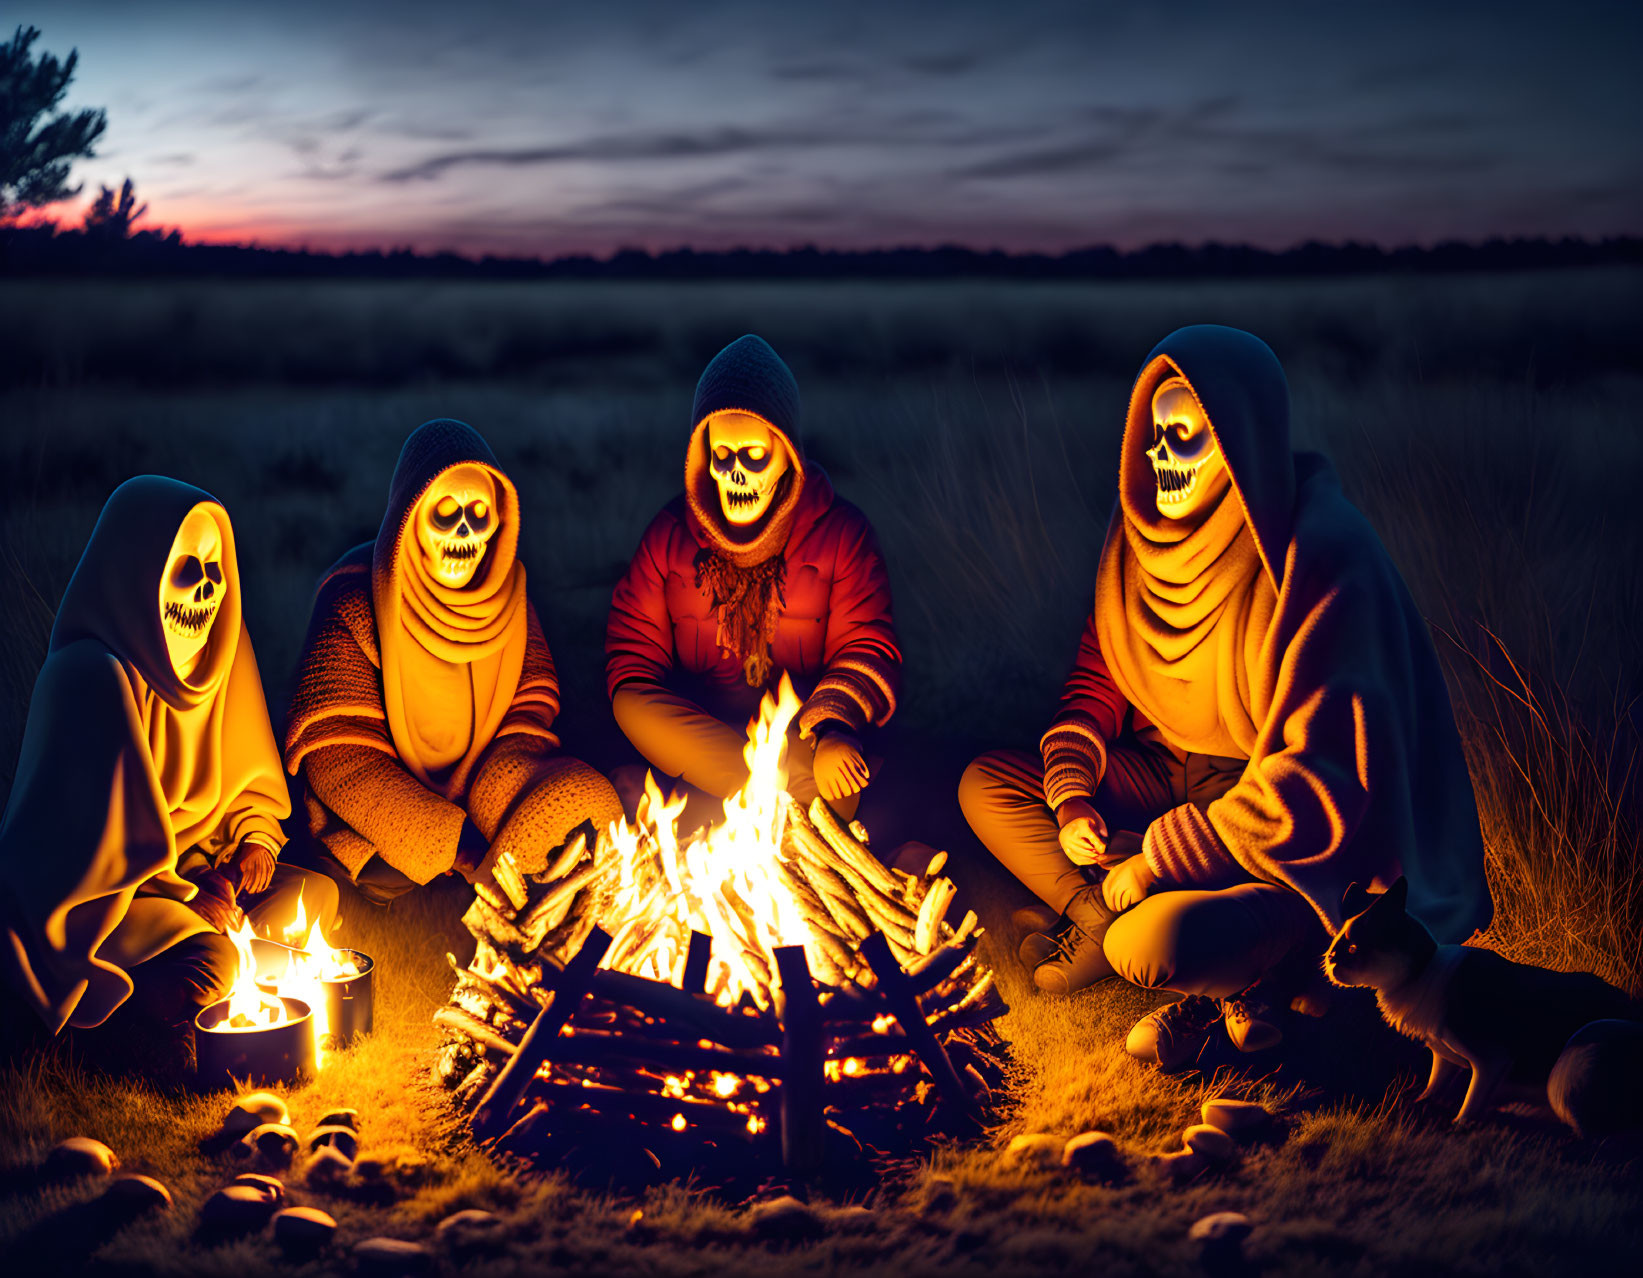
(1251, 1024)
(1172, 1036)
(1035, 947)
(1079, 961)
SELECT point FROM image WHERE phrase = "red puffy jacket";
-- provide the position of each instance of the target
(834, 634)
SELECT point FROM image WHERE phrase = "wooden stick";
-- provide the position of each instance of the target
(509, 880)
(696, 961)
(476, 1029)
(930, 914)
(692, 1016)
(803, 1126)
(490, 1118)
(852, 852)
(585, 1048)
(647, 1105)
(898, 992)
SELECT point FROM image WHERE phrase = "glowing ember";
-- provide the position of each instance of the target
(725, 881)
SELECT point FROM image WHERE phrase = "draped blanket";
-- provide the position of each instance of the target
(129, 769)
(1285, 636)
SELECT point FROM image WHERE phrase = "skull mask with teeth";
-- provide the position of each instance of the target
(748, 460)
(1186, 460)
(455, 521)
(192, 589)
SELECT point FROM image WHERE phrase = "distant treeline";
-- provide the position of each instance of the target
(47, 251)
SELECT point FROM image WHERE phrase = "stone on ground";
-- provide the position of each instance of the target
(327, 1168)
(340, 1118)
(784, 1218)
(138, 1193)
(80, 1156)
(1093, 1154)
(303, 1230)
(1213, 1143)
(1237, 1118)
(274, 1145)
(1220, 1240)
(389, 1256)
(343, 1138)
(253, 1111)
(270, 1187)
(1181, 1166)
(471, 1231)
(237, 1209)
(1035, 1149)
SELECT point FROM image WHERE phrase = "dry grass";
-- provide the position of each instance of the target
(977, 425)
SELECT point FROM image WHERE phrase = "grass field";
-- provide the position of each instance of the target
(1487, 427)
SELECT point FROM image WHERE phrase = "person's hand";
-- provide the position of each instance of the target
(476, 860)
(254, 864)
(840, 768)
(1128, 883)
(214, 900)
(1083, 832)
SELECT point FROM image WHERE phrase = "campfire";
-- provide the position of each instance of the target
(764, 983)
(294, 999)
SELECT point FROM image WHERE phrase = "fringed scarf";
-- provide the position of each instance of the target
(744, 570)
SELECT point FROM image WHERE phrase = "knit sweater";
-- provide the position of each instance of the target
(362, 801)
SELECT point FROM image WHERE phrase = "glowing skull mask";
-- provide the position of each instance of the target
(747, 459)
(1185, 458)
(455, 521)
(192, 589)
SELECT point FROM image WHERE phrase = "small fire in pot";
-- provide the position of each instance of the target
(295, 999)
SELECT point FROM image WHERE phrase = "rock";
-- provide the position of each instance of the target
(270, 1187)
(252, 1111)
(340, 1118)
(80, 1156)
(344, 1138)
(138, 1193)
(328, 1168)
(393, 1256)
(1593, 1086)
(1035, 1150)
(1213, 1143)
(471, 1231)
(1239, 1119)
(1093, 1154)
(853, 1220)
(237, 1209)
(784, 1218)
(301, 1231)
(1222, 1227)
(1181, 1166)
(274, 1145)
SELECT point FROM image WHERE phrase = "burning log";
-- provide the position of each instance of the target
(741, 980)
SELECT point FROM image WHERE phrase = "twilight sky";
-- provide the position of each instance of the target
(1022, 124)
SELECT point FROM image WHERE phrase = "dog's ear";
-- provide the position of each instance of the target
(1354, 901)
(1397, 896)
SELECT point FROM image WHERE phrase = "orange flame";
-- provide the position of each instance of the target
(724, 881)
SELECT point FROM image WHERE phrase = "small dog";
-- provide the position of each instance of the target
(1506, 1022)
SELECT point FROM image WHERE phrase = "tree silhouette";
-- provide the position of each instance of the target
(35, 153)
(112, 216)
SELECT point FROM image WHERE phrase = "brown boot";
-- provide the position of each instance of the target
(1079, 961)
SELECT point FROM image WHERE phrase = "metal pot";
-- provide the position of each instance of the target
(282, 1053)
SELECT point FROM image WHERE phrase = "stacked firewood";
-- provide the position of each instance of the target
(879, 1026)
